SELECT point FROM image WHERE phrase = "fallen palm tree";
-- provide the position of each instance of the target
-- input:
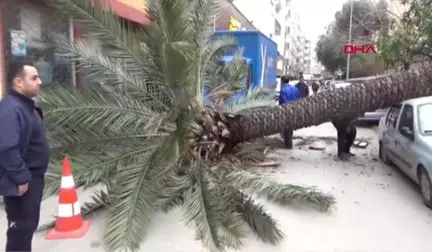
(142, 130)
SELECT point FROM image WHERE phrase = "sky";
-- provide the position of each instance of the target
(316, 14)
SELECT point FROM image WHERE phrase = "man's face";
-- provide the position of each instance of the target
(301, 80)
(29, 82)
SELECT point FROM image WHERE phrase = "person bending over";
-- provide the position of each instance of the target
(346, 134)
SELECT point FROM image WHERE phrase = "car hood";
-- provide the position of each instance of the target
(427, 140)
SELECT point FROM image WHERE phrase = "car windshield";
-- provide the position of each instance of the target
(425, 118)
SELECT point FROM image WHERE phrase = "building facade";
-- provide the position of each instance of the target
(229, 12)
(293, 41)
(28, 28)
(307, 51)
(279, 21)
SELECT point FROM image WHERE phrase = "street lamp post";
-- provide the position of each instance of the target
(349, 40)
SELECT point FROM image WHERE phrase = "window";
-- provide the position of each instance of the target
(278, 28)
(287, 30)
(425, 118)
(278, 7)
(287, 46)
(393, 115)
(407, 118)
(29, 31)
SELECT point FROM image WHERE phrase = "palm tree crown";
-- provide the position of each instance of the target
(137, 126)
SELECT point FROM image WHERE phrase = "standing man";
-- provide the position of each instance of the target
(346, 134)
(288, 94)
(24, 155)
(315, 87)
(303, 88)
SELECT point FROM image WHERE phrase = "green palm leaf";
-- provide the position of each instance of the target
(136, 127)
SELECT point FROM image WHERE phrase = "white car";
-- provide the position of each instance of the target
(405, 139)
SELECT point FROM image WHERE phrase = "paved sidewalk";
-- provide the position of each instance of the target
(378, 210)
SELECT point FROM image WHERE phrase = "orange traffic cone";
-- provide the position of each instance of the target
(69, 221)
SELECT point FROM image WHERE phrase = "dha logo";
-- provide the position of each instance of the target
(363, 49)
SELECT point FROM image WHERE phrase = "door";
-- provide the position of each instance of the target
(388, 137)
(404, 145)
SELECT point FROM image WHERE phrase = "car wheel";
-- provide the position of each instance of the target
(425, 186)
(383, 155)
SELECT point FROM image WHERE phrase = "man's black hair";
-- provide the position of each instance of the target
(284, 79)
(15, 68)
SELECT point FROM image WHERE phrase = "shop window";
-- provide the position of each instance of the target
(29, 29)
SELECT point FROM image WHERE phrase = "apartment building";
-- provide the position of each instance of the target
(268, 17)
(227, 12)
(307, 51)
(294, 42)
(277, 20)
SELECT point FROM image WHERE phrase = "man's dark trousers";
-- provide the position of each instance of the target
(23, 216)
(288, 135)
(346, 134)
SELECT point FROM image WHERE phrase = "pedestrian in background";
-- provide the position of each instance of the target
(315, 87)
(24, 155)
(287, 95)
(303, 88)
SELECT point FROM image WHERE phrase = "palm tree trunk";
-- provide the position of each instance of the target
(380, 92)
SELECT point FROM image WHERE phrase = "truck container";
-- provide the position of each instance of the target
(259, 52)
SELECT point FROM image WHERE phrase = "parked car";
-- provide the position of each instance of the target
(405, 139)
(373, 117)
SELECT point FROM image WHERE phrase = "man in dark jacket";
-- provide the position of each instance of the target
(24, 155)
(315, 87)
(346, 134)
(303, 88)
(288, 94)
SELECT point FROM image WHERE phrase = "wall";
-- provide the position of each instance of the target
(32, 27)
(264, 16)
(259, 13)
(228, 10)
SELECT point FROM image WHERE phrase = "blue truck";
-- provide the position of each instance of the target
(259, 53)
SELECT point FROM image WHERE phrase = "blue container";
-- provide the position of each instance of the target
(261, 55)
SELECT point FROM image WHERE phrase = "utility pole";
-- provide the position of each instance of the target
(349, 40)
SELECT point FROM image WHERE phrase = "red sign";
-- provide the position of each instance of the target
(363, 49)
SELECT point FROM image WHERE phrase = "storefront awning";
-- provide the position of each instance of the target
(133, 10)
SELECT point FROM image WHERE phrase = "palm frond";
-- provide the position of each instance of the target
(281, 193)
(262, 224)
(259, 97)
(94, 106)
(90, 168)
(135, 125)
(208, 209)
(200, 210)
(102, 24)
(135, 195)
